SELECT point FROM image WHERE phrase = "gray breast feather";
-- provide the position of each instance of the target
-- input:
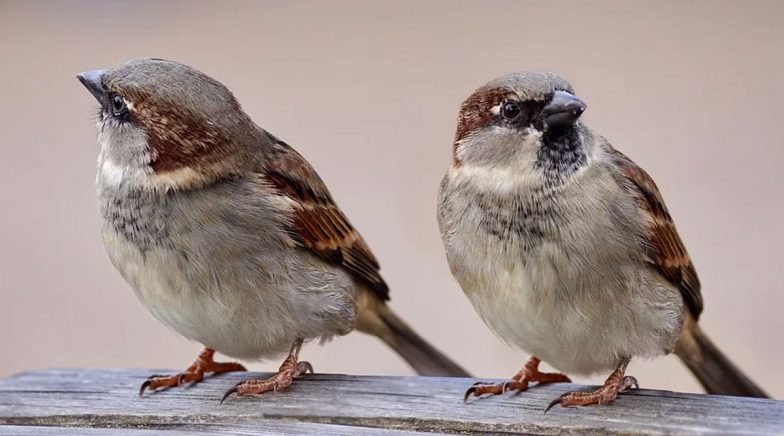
(548, 268)
(216, 266)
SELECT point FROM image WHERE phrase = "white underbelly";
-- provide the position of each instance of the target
(543, 307)
(249, 323)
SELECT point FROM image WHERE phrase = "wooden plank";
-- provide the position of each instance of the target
(267, 427)
(69, 400)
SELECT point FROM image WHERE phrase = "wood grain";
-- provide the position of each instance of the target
(67, 401)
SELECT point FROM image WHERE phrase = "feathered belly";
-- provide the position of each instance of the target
(578, 320)
(226, 311)
(549, 271)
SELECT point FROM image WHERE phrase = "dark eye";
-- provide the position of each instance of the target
(510, 110)
(118, 105)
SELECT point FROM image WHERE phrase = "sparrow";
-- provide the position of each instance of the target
(226, 234)
(565, 247)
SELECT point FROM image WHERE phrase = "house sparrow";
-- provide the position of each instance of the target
(227, 234)
(565, 247)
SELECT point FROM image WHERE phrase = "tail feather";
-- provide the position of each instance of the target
(717, 374)
(379, 320)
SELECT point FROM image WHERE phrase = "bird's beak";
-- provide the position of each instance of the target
(563, 110)
(92, 81)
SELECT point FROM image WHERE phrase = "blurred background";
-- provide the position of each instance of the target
(368, 92)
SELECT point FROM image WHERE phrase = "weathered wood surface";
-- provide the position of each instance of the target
(68, 401)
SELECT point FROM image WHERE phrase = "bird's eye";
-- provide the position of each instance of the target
(510, 110)
(118, 105)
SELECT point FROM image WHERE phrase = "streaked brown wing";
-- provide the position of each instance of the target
(318, 224)
(664, 248)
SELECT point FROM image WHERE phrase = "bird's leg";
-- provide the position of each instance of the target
(615, 384)
(194, 373)
(288, 371)
(519, 382)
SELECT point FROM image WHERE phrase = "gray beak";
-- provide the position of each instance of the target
(563, 110)
(92, 81)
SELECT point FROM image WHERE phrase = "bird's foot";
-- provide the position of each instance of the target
(194, 373)
(616, 384)
(519, 382)
(290, 369)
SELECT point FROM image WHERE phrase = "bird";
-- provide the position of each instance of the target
(226, 234)
(565, 247)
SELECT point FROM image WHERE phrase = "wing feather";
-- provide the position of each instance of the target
(318, 224)
(663, 248)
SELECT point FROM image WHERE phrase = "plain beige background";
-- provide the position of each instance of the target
(368, 92)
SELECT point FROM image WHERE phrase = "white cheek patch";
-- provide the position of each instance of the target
(504, 130)
(111, 173)
(517, 170)
(495, 179)
(124, 155)
(115, 175)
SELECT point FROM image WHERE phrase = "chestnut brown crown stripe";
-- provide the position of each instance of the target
(177, 139)
(475, 112)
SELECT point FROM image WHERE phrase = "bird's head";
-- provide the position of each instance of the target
(527, 119)
(166, 124)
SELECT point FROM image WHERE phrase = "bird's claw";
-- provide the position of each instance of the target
(604, 394)
(156, 381)
(229, 392)
(144, 387)
(204, 363)
(289, 370)
(469, 392)
(555, 401)
(304, 367)
(629, 383)
(480, 388)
